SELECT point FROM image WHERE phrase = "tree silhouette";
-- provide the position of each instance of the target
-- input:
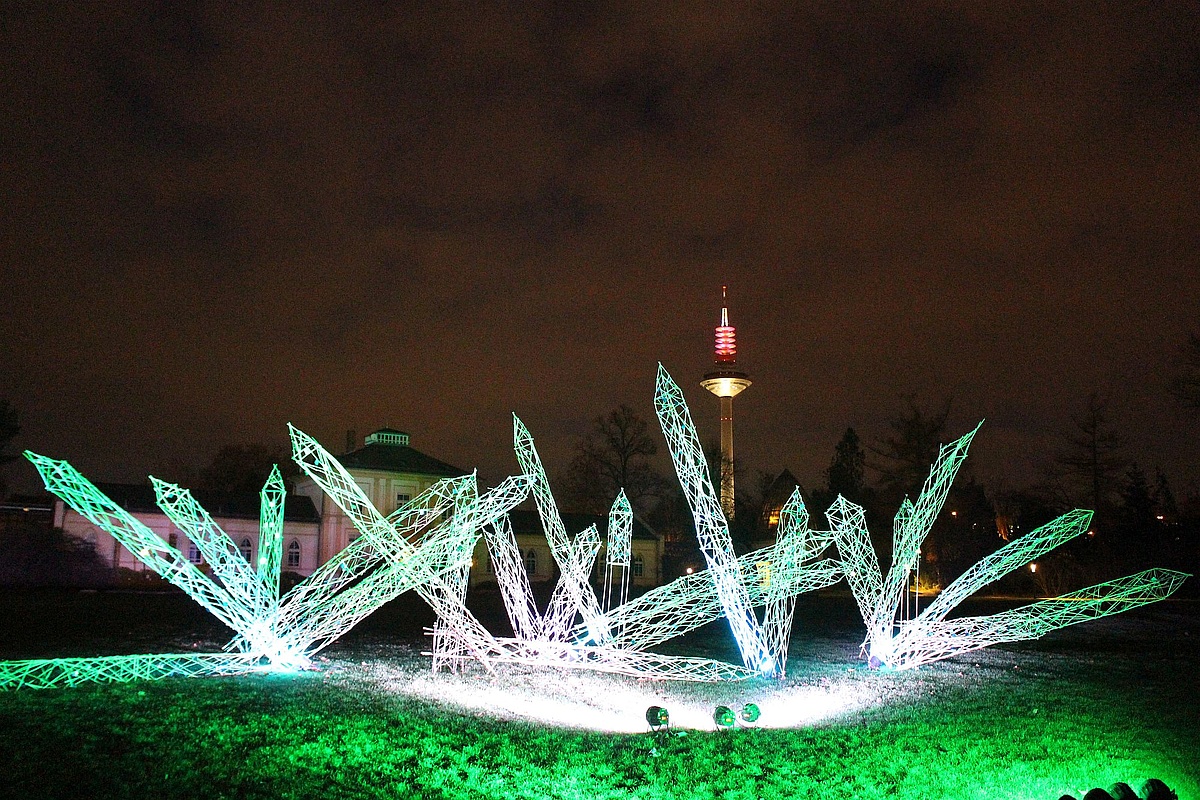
(243, 468)
(1164, 498)
(614, 455)
(1091, 461)
(846, 474)
(1140, 534)
(910, 450)
(1137, 500)
(8, 429)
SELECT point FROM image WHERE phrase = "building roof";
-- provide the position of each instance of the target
(135, 497)
(780, 490)
(398, 458)
(526, 521)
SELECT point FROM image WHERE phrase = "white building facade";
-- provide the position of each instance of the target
(390, 473)
(236, 514)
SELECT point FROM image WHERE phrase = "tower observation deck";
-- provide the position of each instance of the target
(726, 381)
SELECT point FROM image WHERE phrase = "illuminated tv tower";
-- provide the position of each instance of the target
(726, 382)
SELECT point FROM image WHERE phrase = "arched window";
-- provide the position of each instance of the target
(639, 565)
(531, 561)
(488, 567)
(247, 549)
(194, 553)
(293, 553)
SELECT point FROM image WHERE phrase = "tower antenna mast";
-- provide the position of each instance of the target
(726, 381)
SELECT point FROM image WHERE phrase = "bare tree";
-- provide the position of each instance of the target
(911, 449)
(244, 468)
(615, 454)
(1091, 461)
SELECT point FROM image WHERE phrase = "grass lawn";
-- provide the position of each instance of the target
(1114, 700)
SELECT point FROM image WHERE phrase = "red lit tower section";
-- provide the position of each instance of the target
(726, 382)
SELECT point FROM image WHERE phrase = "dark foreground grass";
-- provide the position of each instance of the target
(1087, 707)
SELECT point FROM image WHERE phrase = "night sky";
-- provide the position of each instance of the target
(217, 221)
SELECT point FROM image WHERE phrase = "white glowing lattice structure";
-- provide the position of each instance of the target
(573, 593)
(573, 633)
(771, 575)
(897, 641)
(712, 529)
(619, 554)
(579, 632)
(439, 575)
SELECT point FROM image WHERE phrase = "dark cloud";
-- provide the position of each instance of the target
(221, 218)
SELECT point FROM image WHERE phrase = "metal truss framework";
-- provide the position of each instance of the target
(619, 555)
(52, 673)
(712, 529)
(425, 546)
(899, 642)
(579, 632)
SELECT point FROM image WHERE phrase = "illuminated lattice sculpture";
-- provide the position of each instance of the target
(425, 545)
(579, 632)
(573, 632)
(894, 640)
(619, 554)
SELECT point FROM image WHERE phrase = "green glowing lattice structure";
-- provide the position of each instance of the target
(896, 641)
(239, 578)
(270, 532)
(421, 545)
(50, 673)
(148, 547)
(426, 545)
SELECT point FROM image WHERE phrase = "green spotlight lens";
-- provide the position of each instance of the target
(657, 717)
(723, 716)
(750, 713)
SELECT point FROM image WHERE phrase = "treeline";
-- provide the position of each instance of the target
(1139, 522)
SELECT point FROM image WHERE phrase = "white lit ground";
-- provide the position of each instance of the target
(826, 683)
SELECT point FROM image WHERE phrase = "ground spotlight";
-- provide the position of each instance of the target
(750, 713)
(1153, 789)
(723, 717)
(657, 717)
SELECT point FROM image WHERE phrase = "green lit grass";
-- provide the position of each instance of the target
(1089, 706)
